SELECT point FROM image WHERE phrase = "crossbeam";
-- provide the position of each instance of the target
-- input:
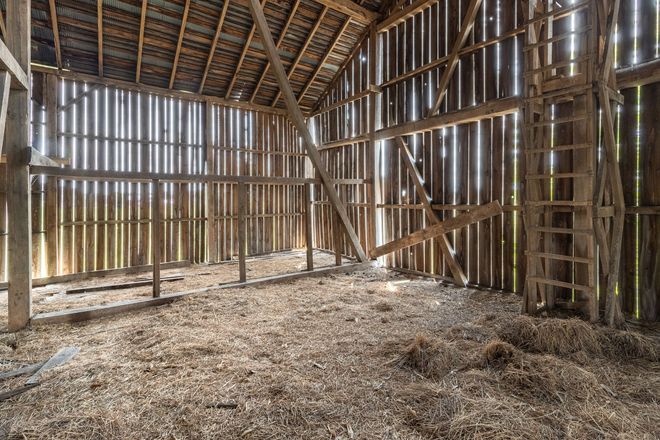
(473, 216)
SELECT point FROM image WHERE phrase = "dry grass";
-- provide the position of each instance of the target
(313, 359)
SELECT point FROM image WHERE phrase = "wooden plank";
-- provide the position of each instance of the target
(352, 9)
(214, 45)
(19, 207)
(395, 18)
(56, 32)
(143, 20)
(182, 32)
(489, 109)
(476, 215)
(98, 311)
(299, 121)
(425, 198)
(99, 28)
(28, 369)
(120, 286)
(63, 356)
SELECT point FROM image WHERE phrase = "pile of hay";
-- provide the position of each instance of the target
(536, 378)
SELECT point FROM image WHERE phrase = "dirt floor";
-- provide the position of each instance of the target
(370, 355)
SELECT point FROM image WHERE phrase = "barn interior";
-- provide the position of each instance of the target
(345, 219)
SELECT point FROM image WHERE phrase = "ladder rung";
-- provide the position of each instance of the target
(558, 148)
(558, 176)
(553, 230)
(550, 256)
(557, 121)
(557, 65)
(557, 283)
(558, 94)
(556, 39)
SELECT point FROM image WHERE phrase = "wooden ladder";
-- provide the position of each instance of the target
(560, 140)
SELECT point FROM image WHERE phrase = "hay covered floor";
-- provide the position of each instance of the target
(369, 355)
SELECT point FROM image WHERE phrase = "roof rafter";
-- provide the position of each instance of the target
(99, 26)
(143, 20)
(214, 45)
(302, 50)
(352, 9)
(182, 31)
(56, 33)
(328, 52)
(248, 42)
(277, 46)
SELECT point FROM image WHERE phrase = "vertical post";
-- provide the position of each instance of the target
(242, 205)
(18, 175)
(336, 235)
(155, 236)
(211, 231)
(51, 181)
(372, 168)
(308, 226)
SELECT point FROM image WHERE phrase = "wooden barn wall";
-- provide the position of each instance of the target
(106, 225)
(478, 162)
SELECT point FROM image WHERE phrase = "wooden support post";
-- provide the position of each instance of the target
(18, 175)
(242, 236)
(336, 238)
(425, 198)
(211, 229)
(156, 236)
(52, 218)
(308, 227)
(298, 120)
(372, 165)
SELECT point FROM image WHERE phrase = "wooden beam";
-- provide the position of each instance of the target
(246, 47)
(425, 198)
(299, 121)
(19, 77)
(143, 21)
(638, 75)
(461, 38)
(98, 311)
(328, 52)
(302, 51)
(279, 42)
(353, 10)
(489, 109)
(143, 88)
(5, 87)
(19, 206)
(475, 215)
(99, 27)
(56, 33)
(214, 45)
(3, 27)
(309, 244)
(182, 31)
(211, 229)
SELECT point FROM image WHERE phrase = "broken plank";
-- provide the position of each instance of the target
(63, 356)
(28, 369)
